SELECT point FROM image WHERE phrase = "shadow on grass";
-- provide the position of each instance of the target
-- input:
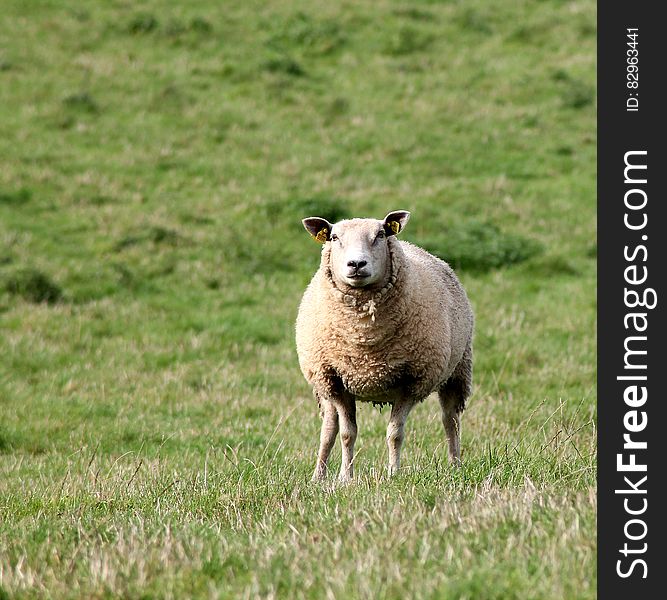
(299, 207)
(480, 246)
(15, 198)
(33, 285)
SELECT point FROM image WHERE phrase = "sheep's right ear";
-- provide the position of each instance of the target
(319, 229)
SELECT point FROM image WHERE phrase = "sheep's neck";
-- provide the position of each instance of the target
(368, 302)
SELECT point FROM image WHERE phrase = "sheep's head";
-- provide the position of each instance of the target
(359, 254)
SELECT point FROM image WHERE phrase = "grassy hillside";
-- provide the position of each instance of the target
(156, 435)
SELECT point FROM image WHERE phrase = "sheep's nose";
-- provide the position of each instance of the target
(356, 264)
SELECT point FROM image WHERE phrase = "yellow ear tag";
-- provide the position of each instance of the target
(321, 236)
(394, 226)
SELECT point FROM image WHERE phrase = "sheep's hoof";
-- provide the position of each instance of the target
(318, 476)
(345, 479)
(392, 470)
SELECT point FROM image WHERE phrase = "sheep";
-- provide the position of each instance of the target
(382, 321)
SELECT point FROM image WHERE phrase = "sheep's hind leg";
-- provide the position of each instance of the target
(452, 397)
(451, 419)
(396, 432)
(327, 438)
(347, 419)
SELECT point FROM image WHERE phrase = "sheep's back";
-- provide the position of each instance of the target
(457, 307)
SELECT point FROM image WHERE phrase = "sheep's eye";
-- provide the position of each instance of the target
(379, 236)
(334, 237)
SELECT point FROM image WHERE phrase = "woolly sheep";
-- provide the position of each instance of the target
(382, 321)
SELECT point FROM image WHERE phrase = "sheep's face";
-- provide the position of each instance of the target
(359, 256)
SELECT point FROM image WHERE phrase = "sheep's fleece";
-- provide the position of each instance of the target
(394, 341)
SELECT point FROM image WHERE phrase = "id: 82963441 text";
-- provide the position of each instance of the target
(632, 70)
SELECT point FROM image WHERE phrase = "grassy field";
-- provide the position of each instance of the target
(156, 436)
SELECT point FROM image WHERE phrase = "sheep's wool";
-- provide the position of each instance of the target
(405, 339)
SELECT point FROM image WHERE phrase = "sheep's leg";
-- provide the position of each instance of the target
(453, 397)
(451, 419)
(396, 432)
(347, 419)
(327, 438)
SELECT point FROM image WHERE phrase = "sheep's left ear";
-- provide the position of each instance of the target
(395, 221)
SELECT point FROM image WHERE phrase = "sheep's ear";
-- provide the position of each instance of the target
(396, 221)
(319, 229)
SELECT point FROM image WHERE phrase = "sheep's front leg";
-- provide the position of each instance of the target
(395, 432)
(347, 419)
(327, 438)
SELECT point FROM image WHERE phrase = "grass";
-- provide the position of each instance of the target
(156, 435)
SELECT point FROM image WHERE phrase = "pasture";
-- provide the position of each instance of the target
(156, 159)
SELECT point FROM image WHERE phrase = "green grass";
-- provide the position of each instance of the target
(156, 435)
